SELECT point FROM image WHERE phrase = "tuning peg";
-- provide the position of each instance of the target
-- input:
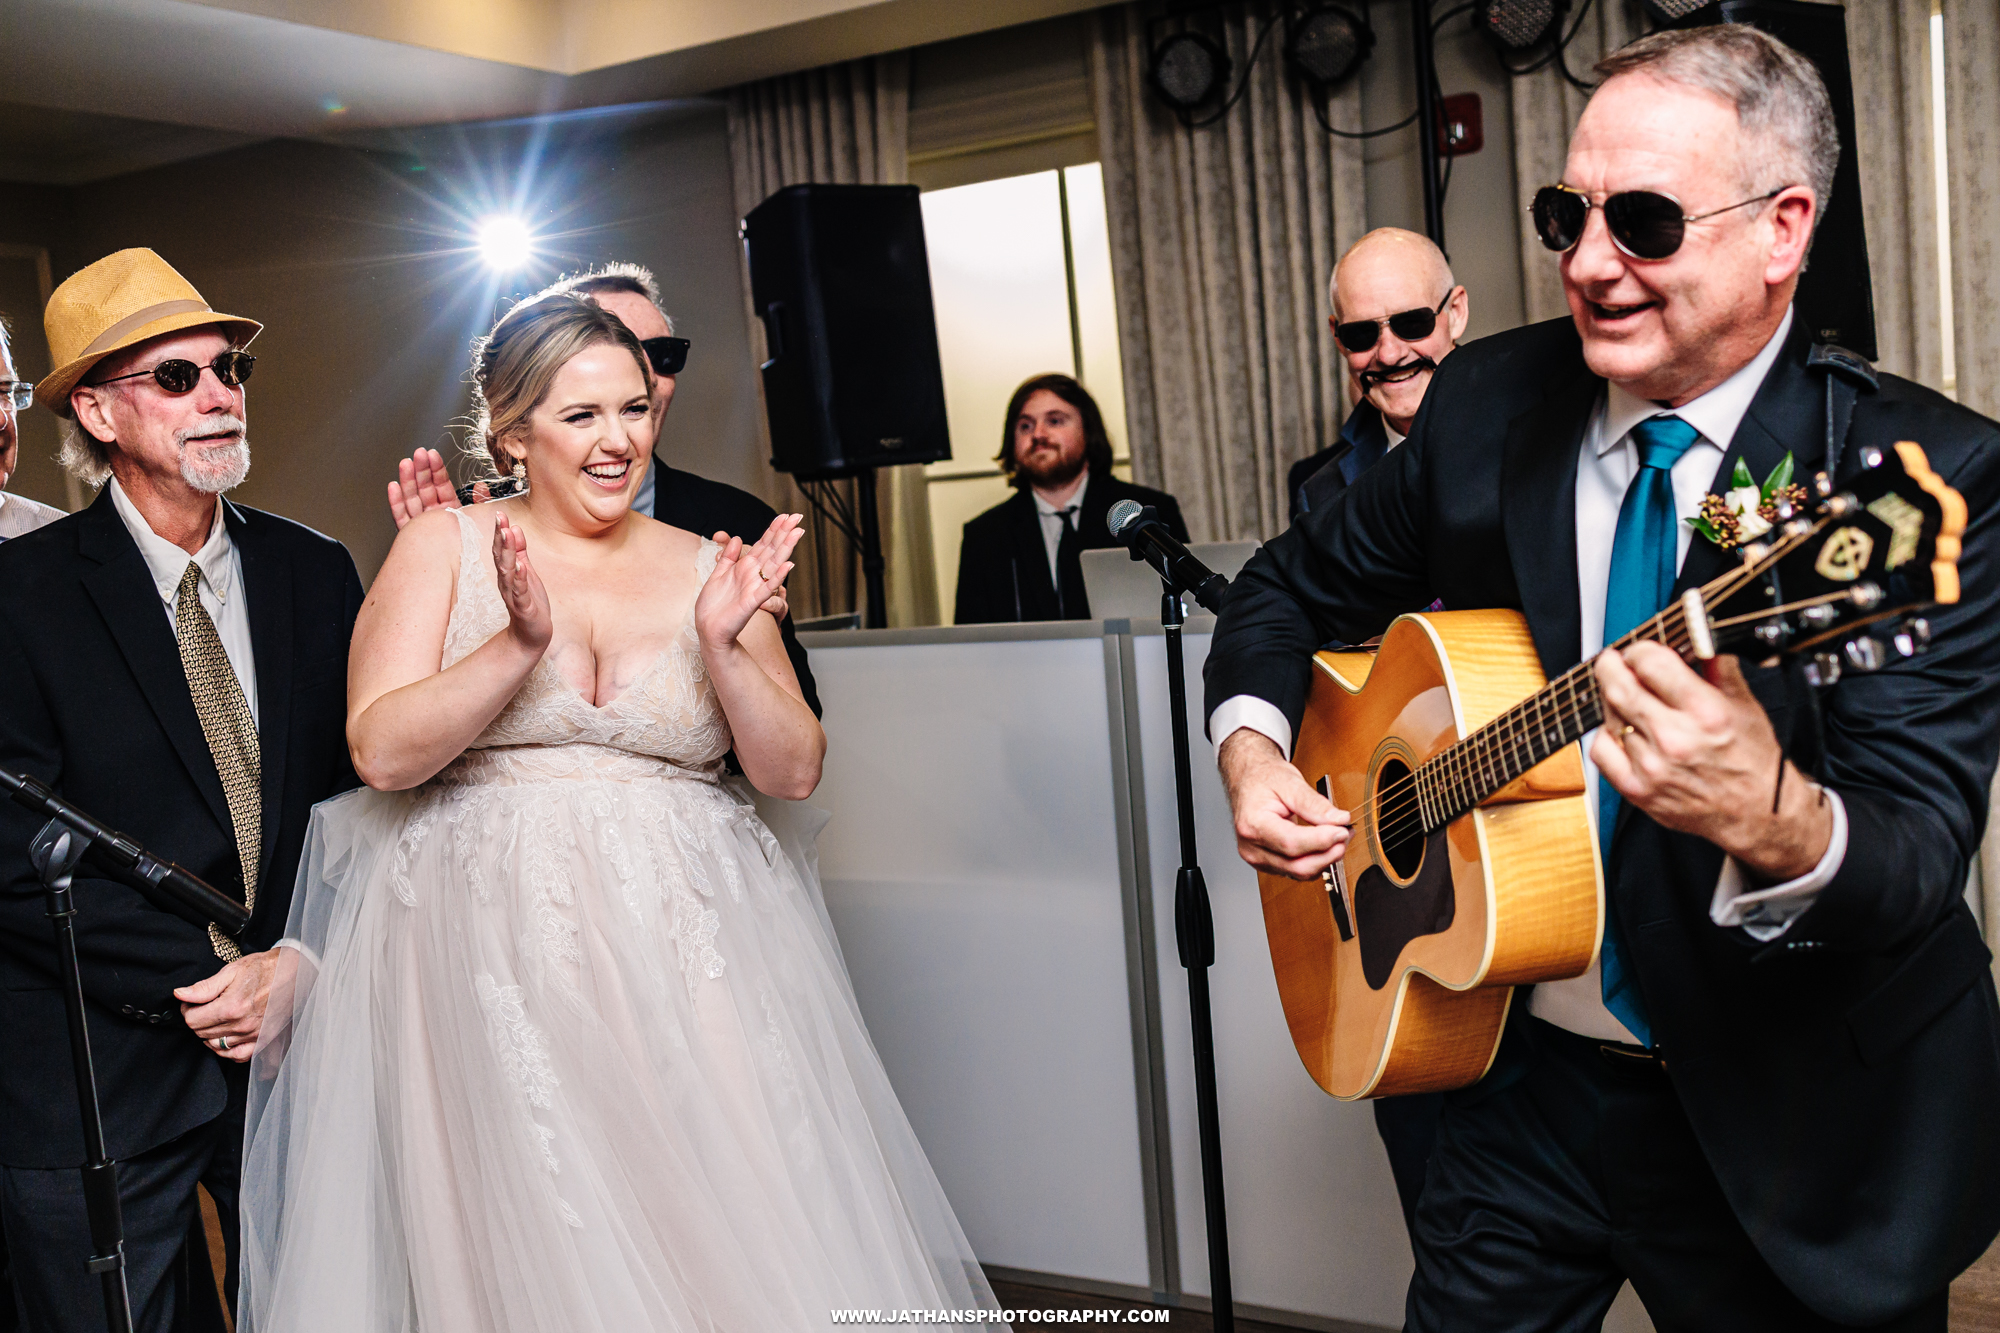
(1823, 670)
(1913, 637)
(1871, 457)
(1769, 633)
(1866, 654)
(1822, 485)
(1866, 596)
(1819, 617)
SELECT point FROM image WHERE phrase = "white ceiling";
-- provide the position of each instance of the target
(93, 84)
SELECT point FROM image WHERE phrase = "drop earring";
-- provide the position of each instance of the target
(520, 470)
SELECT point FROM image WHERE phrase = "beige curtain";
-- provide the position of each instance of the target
(1546, 108)
(1889, 45)
(1972, 148)
(1972, 119)
(839, 125)
(1222, 241)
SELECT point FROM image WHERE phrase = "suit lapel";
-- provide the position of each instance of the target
(1538, 514)
(267, 592)
(123, 590)
(1787, 415)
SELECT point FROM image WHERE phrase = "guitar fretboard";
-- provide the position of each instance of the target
(1457, 779)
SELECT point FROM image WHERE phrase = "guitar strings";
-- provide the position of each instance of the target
(1486, 755)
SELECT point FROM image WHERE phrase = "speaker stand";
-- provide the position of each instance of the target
(871, 550)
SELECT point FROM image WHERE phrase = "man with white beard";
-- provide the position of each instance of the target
(175, 664)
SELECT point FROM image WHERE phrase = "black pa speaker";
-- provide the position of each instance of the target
(840, 277)
(1834, 298)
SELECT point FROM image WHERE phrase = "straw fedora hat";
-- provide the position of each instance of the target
(122, 299)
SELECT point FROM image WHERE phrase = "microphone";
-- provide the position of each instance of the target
(1139, 527)
(164, 884)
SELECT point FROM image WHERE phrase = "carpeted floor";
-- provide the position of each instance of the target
(1975, 1303)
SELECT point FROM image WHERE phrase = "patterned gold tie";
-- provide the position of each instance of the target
(231, 733)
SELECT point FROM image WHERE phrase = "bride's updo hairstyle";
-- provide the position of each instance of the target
(514, 366)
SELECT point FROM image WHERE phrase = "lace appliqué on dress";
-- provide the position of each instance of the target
(523, 1051)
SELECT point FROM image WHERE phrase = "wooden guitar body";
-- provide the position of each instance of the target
(1396, 972)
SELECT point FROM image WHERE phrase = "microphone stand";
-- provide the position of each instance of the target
(55, 853)
(1194, 934)
(63, 843)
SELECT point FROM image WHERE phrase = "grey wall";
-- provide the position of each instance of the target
(358, 264)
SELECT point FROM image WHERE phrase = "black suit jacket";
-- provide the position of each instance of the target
(703, 507)
(97, 705)
(1003, 564)
(1364, 440)
(1844, 1081)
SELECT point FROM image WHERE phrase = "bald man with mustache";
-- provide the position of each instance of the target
(1397, 312)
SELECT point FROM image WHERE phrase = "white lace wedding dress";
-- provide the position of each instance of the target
(577, 1050)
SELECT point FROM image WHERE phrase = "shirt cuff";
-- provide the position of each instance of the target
(1766, 914)
(1259, 715)
(300, 947)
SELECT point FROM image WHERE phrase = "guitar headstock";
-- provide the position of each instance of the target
(1830, 583)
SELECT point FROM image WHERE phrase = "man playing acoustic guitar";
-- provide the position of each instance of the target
(1770, 1100)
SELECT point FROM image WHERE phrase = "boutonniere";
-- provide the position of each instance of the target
(1746, 511)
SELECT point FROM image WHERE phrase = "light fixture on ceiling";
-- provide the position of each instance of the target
(504, 242)
(1518, 25)
(1328, 44)
(1189, 70)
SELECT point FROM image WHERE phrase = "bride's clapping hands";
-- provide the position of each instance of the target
(744, 579)
(527, 602)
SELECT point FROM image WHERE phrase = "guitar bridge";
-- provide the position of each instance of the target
(1335, 879)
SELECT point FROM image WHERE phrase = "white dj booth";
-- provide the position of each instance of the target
(1000, 870)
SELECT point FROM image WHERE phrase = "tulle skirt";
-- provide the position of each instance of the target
(569, 1045)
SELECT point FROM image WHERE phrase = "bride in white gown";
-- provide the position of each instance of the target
(571, 1046)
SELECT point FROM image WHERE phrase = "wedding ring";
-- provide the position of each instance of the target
(222, 1043)
(1629, 729)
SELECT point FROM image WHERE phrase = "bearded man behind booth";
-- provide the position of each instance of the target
(175, 665)
(1021, 559)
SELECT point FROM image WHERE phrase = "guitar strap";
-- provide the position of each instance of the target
(1846, 374)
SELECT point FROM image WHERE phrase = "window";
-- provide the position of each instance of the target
(1021, 281)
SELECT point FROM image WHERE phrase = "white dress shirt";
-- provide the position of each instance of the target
(221, 585)
(20, 515)
(1052, 524)
(1609, 460)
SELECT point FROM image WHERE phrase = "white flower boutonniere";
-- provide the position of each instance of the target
(1746, 511)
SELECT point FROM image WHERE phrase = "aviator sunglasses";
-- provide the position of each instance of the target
(1411, 326)
(1643, 223)
(178, 376)
(668, 355)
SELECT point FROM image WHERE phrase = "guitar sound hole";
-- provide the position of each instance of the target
(1397, 825)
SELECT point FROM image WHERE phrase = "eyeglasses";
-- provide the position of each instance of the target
(1411, 326)
(17, 395)
(178, 376)
(1643, 223)
(668, 355)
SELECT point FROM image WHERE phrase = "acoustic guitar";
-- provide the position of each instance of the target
(1472, 868)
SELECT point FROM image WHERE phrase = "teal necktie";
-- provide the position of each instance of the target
(1642, 579)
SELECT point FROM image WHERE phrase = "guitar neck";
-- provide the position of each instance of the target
(1459, 778)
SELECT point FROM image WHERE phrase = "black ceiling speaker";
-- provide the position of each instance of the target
(1328, 44)
(1518, 25)
(1189, 70)
(1834, 300)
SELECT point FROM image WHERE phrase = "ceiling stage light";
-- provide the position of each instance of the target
(1518, 25)
(1672, 11)
(1329, 44)
(1188, 70)
(504, 243)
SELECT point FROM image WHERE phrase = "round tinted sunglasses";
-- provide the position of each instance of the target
(1643, 223)
(1411, 326)
(668, 355)
(178, 376)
